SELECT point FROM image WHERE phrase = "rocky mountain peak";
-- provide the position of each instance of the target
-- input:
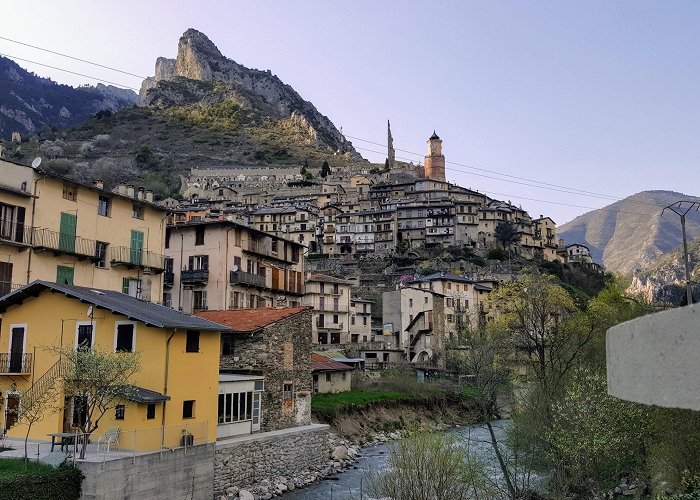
(195, 56)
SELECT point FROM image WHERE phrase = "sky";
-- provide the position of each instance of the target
(559, 107)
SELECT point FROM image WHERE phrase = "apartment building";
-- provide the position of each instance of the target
(224, 265)
(55, 229)
(360, 320)
(330, 299)
(545, 237)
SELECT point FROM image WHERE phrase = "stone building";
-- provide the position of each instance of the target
(330, 375)
(276, 344)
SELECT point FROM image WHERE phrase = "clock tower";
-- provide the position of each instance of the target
(435, 161)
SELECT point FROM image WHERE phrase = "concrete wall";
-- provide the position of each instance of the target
(340, 381)
(654, 359)
(174, 474)
(247, 460)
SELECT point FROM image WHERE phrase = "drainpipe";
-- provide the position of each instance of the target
(165, 387)
(226, 272)
(182, 251)
(31, 229)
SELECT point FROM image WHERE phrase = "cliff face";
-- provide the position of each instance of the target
(631, 234)
(201, 74)
(28, 102)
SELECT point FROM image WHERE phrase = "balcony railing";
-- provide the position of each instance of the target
(329, 326)
(265, 248)
(14, 234)
(192, 276)
(247, 279)
(168, 278)
(11, 363)
(135, 257)
(45, 239)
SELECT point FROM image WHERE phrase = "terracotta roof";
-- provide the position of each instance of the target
(323, 364)
(328, 279)
(250, 320)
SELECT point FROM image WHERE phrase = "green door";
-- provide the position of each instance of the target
(66, 237)
(64, 275)
(136, 256)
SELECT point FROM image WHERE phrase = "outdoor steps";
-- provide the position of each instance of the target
(55, 458)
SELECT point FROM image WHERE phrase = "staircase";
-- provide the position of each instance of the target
(43, 384)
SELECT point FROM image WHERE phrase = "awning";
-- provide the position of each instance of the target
(141, 395)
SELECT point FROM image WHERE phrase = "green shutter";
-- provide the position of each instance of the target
(125, 286)
(64, 275)
(136, 256)
(67, 232)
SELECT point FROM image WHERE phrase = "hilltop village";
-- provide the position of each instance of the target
(255, 290)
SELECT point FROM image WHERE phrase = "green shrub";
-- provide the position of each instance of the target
(35, 481)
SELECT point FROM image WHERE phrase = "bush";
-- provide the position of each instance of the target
(34, 481)
(496, 254)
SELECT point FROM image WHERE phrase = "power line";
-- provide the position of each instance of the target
(71, 72)
(41, 89)
(72, 57)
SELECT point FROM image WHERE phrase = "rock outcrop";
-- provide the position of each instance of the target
(199, 60)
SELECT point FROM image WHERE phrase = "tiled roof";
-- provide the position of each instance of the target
(323, 364)
(442, 276)
(131, 307)
(339, 356)
(328, 279)
(250, 320)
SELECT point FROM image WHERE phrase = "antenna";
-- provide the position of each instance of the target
(36, 162)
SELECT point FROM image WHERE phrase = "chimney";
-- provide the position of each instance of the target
(130, 190)
(140, 193)
(99, 184)
(541, 216)
(149, 195)
(121, 189)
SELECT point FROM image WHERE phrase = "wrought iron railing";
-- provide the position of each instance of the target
(168, 278)
(12, 232)
(136, 257)
(247, 279)
(194, 276)
(44, 383)
(64, 243)
(15, 362)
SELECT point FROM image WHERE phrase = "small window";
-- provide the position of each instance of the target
(328, 377)
(188, 409)
(151, 411)
(192, 341)
(137, 211)
(124, 341)
(119, 412)
(199, 235)
(100, 254)
(103, 206)
(199, 300)
(345, 376)
(288, 392)
(227, 344)
(70, 192)
(259, 385)
(168, 232)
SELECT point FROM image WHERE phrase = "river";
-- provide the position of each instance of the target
(352, 484)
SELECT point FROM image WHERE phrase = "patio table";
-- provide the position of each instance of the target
(67, 438)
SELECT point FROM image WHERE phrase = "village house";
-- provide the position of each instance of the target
(330, 299)
(225, 265)
(178, 372)
(273, 344)
(330, 376)
(55, 229)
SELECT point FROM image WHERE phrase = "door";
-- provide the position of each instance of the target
(16, 349)
(136, 256)
(5, 278)
(256, 411)
(11, 410)
(67, 232)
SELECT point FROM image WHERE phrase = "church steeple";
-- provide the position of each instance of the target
(391, 153)
(435, 161)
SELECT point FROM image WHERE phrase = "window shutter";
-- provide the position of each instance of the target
(19, 233)
(125, 286)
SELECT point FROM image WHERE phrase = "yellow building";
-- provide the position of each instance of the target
(55, 229)
(176, 387)
(546, 237)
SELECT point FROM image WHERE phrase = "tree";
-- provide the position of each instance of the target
(507, 234)
(33, 409)
(325, 170)
(98, 381)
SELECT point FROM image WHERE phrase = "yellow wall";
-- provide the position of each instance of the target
(192, 376)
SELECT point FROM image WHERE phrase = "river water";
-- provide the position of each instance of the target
(352, 484)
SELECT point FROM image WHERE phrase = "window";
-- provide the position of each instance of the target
(80, 411)
(335, 289)
(198, 262)
(168, 299)
(335, 337)
(150, 411)
(84, 339)
(274, 244)
(322, 303)
(322, 337)
(450, 318)
(354, 338)
(236, 406)
(199, 235)
(364, 320)
(336, 304)
(288, 392)
(124, 337)
(199, 300)
(345, 376)
(410, 302)
(328, 377)
(137, 211)
(131, 286)
(168, 232)
(103, 206)
(352, 320)
(119, 412)
(70, 192)
(227, 344)
(192, 344)
(100, 254)
(188, 409)
(425, 299)
(64, 275)
(322, 288)
(335, 319)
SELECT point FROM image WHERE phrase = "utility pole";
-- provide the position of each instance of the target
(681, 208)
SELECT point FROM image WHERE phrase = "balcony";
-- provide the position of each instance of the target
(329, 326)
(64, 243)
(265, 248)
(14, 364)
(135, 257)
(194, 276)
(168, 278)
(243, 278)
(14, 234)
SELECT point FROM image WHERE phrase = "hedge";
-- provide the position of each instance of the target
(40, 483)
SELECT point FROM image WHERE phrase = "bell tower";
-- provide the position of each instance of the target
(435, 161)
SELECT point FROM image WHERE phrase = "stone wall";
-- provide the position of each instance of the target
(282, 353)
(252, 461)
(173, 474)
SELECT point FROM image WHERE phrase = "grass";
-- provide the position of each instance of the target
(329, 403)
(18, 467)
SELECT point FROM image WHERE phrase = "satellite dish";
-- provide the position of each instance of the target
(89, 311)
(234, 268)
(36, 162)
